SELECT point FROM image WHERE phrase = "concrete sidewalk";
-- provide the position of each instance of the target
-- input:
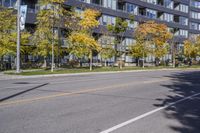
(7, 77)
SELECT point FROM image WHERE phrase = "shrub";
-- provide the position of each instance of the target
(73, 63)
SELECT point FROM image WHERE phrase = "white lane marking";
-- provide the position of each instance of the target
(146, 114)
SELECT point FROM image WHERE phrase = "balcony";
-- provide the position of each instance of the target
(160, 6)
(97, 2)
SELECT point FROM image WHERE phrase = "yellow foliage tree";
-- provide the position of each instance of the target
(190, 49)
(157, 35)
(82, 42)
(82, 45)
(139, 49)
(46, 2)
(48, 19)
(89, 20)
(198, 45)
(8, 33)
(107, 52)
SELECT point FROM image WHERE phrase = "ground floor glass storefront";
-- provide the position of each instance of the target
(8, 3)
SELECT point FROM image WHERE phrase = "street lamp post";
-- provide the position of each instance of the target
(18, 37)
(52, 52)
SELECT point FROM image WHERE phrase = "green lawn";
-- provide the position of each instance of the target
(81, 70)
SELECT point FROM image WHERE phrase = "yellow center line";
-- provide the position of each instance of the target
(79, 92)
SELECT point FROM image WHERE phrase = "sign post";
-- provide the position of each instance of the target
(18, 37)
(21, 18)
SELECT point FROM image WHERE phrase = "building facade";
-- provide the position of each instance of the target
(181, 16)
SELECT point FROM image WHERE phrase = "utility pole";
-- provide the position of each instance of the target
(52, 60)
(18, 37)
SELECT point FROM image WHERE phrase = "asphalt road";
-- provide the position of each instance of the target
(129, 102)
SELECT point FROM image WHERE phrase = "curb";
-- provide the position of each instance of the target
(90, 73)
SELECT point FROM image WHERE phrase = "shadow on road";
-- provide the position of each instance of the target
(22, 92)
(186, 113)
(22, 83)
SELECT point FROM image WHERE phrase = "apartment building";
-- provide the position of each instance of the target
(181, 16)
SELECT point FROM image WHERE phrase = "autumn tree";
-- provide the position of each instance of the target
(198, 45)
(89, 20)
(107, 52)
(7, 26)
(118, 29)
(8, 33)
(43, 35)
(157, 35)
(50, 18)
(83, 45)
(192, 48)
(139, 49)
(82, 41)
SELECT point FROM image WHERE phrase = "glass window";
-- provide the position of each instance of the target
(183, 8)
(194, 26)
(6, 3)
(152, 1)
(130, 8)
(127, 42)
(183, 33)
(106, 40)
(183, 21)
(14, 3)
(106, 19)
(169, 4)
(151, 13)
(195, 15)
(195, 3)
(168, 17)
(110, 4)
(87, 1)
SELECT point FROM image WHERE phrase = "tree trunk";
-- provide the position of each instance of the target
(120, 61)
(45, 63)
(1, 63)
(121, 40)
(80, 62)
(173, 56)
(156, 61)
(190, 61)
(138, 61)
(143, 60)
(90, 56)
(120, 64)
(105, 63)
